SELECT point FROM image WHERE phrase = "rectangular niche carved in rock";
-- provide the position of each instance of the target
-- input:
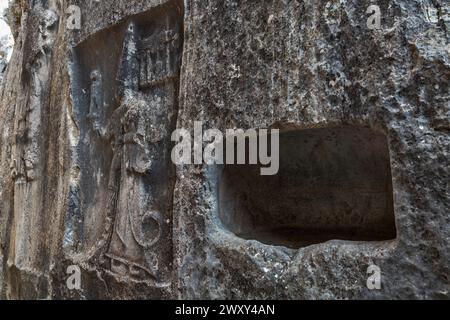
(333, 184)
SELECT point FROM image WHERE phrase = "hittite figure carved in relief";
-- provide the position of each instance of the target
(26, 148)
(137, 240)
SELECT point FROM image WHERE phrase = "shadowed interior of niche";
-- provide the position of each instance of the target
(333, 184)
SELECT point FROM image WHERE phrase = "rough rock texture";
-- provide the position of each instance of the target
(85, 173)
(6, 45)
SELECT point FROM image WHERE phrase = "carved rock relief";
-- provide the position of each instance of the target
(126, 114)
(25, 168)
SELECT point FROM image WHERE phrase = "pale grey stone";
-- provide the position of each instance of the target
(86, 178)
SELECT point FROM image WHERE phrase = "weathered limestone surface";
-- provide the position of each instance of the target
(85, 123)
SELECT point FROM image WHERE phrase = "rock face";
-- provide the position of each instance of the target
(87, 183)
(6, 46)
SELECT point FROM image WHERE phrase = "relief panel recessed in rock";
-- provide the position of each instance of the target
(121, 205)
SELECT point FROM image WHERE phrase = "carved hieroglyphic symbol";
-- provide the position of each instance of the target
(159, 58)
(96, 101)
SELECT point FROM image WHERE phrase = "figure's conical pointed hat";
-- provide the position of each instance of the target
(129, 67)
